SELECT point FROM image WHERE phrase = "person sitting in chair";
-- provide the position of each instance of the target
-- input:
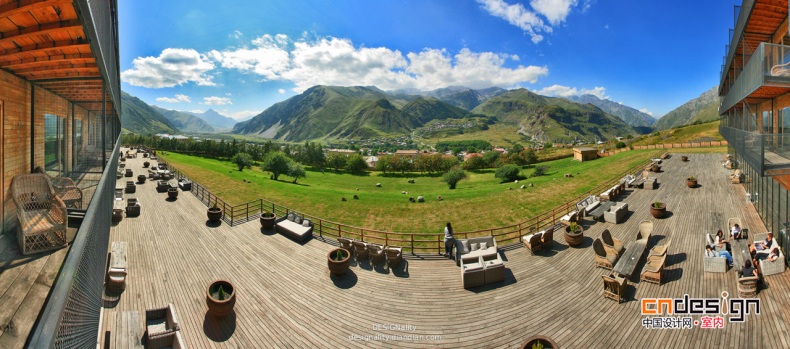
(722, 241)
(748, 270)
(766, 245)
(710, 252)
(736, 231)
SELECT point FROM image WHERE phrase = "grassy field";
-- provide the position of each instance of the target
(692, 133)
(479, 202)
(500, 134)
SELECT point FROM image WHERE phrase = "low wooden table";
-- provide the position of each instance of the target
(127, 330)
(598, 212)
(628, 261)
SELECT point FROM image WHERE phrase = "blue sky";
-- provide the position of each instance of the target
(240, 57)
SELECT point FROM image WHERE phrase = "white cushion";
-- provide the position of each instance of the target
(306, 223)
(527, 237)
(483, 245)
(298, 220)
(291, 217)
(475, 246)
(566, 217)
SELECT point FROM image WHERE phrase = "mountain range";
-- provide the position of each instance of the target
(360, 112)
(702, 109)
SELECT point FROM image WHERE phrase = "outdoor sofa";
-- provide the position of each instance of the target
(295, 227)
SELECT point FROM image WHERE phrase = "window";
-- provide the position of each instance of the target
(54, 144)
(768, 122)
(77, 142)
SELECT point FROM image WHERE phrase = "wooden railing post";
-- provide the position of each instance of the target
(321, 227)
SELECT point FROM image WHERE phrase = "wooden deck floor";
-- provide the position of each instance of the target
(286, 297)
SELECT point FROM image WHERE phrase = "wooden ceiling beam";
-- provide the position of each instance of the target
(34, 60)
(66, 74)
(76, 43)
(49, 63)
(56, 67)
(22, 6)
(41, 29)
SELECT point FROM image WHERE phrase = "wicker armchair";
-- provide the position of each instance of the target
(360, 249)
(130, 187)
(604, 257)
(394, 255)
(645, 229)
(42, 215)
(614, 287)
(172, 340)
(532, 242)
(714, 264)
(652, 269)
(132, 207)
(159, 323)
(65, 189)
(747, 285)
(375, 253)
(569, 218)
(611, 242)
(346, 243)
(660, 250)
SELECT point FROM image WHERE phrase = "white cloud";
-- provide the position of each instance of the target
(240, 115)
(236, 34)
(554, 10)
(529, 20)
(644, 110)
(173, 67)
(214, 100)
(177, 99)
(565, 91)
(336, 61)
(280, 91)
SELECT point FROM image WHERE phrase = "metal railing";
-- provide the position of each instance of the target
(414, 243)
(71, 317)
(769, 154)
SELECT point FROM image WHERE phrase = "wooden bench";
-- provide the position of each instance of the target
(116, 274)
(127, 331)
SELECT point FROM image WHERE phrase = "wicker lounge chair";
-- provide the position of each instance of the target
(781, 70)
(129, 172)
(604, 257)
(547, 242)
(611, 242)
(130, 187)
(375, 253)
(660, 250)
(652, 269)
(394, 255)
(768, 267)
(346, 243)
(116, 274)
(736, 177)
(645, 229)
(42, 215)
(533, 242)
(747, 286)
(132, 207)
(614, 287)
(569, 218)
(360, 249)
(162, 186)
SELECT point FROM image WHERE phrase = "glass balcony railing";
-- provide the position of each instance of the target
(769, 154)
(769, 65)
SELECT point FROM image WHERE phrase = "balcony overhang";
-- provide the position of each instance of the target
(757, 21)
(768, 154)
(764, 77)
(55, 44)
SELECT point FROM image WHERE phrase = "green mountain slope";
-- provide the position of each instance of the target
(185, 122)
(426, 109)
(702, 109)
(325, 112)
(141, 118)
(553, 119)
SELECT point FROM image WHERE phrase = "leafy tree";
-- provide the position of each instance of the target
(508, 173)
(628, 136)
(516, 149)
(356, 164)
(296, 171)
(531, 156)
(336, 161)
(540, 171)
(547, 145)
(474, 163)
(491, 158)
(619, 145)
(453, 176)
(277, 163)
(242, 160)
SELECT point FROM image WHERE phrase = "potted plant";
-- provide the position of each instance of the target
(267, 220)
(574, 234)
(337, 260)
(214, 213)
(539, 342)
(655, 167)
(691, 182)
(684, 158)
(220, 298)
(141, 179)
(172, 193)
(658, 209)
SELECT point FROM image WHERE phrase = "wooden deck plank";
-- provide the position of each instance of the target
(286, 297)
